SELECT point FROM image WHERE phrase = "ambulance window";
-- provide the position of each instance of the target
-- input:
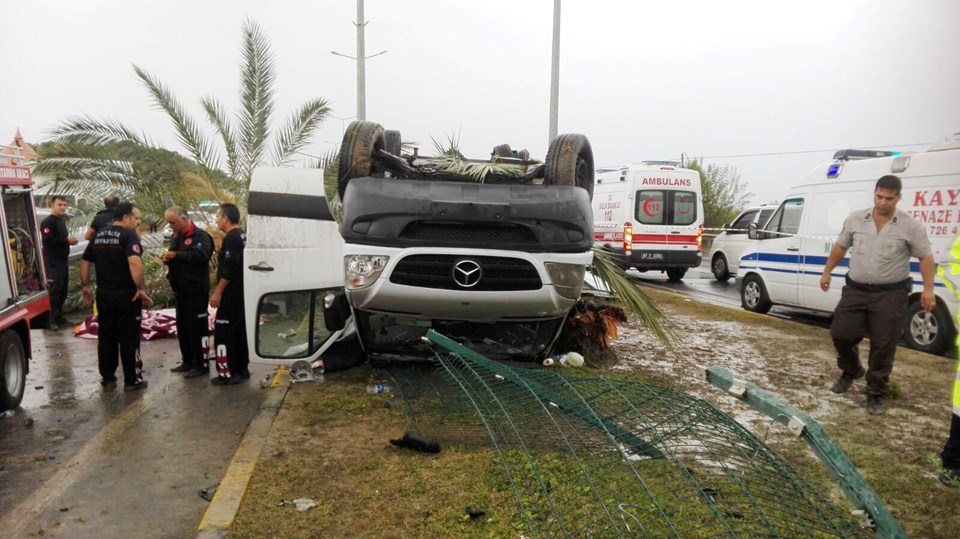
(650, 206)
(683, 208)
(786, 220)
(290, 324)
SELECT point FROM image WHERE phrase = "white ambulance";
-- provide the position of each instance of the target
(651, 213)
(784, 265)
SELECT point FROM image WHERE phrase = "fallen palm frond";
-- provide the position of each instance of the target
(606, 270)
(450, 159)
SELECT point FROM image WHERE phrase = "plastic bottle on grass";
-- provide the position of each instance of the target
(375, 389)
(7, 413)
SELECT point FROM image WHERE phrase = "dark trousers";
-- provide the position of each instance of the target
(118, 334)
(230, 338)
(951, 451)
(57, 272)
(879, 314)
(192, 327)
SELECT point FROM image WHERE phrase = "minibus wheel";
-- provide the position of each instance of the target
(753, 295)
(361, 140)
(570, 162)
(927, 331)
(392, 141)
(720, 269)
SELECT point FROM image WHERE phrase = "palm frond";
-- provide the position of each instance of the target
(450, 159)
(217, 115)
(188, 133)
(256, 97)
(87, 130)
(296, 133)
(608, 272)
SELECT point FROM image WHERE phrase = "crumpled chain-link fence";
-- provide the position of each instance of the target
(595, 457)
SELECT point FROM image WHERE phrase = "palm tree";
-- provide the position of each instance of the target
(89, 157)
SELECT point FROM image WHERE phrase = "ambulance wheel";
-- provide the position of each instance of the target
(719, 267)
(392, 141)
(570, 162)
(675, 275)
(361, 140)
(753, 295)
(13, 370)
(927, 332)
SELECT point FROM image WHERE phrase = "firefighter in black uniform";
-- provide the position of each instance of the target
(116, 254)
(230, 333)
(103, 217)
(188, 264)
(56, 250)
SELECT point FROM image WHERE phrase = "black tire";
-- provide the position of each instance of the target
(360, 141)
(392, 141)
(753, 295)
(675, 275)
(503, 150)
(13, 370)
(721, 271)
(570, 162)
(928, 332)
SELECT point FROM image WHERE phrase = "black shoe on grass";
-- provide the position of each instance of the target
(842, 385)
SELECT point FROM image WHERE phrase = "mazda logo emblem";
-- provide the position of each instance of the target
(467, 273)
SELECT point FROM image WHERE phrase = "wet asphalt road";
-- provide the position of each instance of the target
(77, 461)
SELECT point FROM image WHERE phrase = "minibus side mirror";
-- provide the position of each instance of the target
(753, 233)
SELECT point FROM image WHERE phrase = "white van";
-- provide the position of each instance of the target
(651, 213)
(729, 244)
(784, 265)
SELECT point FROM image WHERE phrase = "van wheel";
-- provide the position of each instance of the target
(503, 150)
(570, 162)
(753, 295)
(13, 370)
(720, 270)
(360, 141)
(392, 141)
(675, 275)
(927, 332)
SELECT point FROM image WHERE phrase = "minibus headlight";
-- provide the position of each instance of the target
(363, 270)
(567, 278)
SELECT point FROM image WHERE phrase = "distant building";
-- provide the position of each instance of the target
(17, 151)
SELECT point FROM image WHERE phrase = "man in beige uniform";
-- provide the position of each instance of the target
(878, 285)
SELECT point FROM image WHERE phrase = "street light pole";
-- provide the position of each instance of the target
(555, 74)
(361, 59)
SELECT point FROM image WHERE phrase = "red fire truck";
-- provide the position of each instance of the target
(24, 299)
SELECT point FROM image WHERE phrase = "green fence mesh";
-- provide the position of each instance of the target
(595, 457)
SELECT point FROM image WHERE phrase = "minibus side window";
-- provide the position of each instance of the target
(740, 225)
(291, 324)
(786, 221)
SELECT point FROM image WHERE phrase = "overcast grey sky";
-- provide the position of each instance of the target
(642, 79)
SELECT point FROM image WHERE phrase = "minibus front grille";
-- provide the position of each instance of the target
(437, 271)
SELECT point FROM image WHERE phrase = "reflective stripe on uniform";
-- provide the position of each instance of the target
(949, 271)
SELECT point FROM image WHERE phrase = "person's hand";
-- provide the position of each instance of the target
(928, 300)
(71, 240)
(142, 295)
(825, 281)
(215, 300)
(168, 256)
(87, 295)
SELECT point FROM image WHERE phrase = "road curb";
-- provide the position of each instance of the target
(226, 502)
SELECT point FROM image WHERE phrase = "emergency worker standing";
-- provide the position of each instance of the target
(230, 332)
(949, 271)
(56, 251)
(103, 217)
(116, 254)
(188, 270)
(878, 285)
